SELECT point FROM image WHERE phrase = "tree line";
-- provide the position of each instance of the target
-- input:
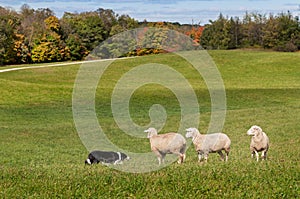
(277, 32)
(34, 36)
(37, 36)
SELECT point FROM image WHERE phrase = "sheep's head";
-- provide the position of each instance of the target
(254, 130)
(191, 132)
(151, 132)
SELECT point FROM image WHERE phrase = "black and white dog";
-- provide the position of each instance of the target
(106, 157)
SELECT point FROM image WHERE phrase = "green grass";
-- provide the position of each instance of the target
(41, 155)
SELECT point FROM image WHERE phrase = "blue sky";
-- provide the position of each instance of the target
(182, 11)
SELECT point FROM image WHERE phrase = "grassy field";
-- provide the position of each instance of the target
(41, 155)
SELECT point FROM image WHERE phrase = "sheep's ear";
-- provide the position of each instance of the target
(190, 129)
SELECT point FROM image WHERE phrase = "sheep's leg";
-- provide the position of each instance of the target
(159, 156)
(159, 160)
(264, 155)
(199, 156)
(181, 158)
(221, 155)
(257, 156)
(163, 158)
(182, 153)
(227, 150)
(179, 161)
(227, 154)
(205, 157)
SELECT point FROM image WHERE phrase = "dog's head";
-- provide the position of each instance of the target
(91, 159)
(88, 161)
(105, 157)
(124, 156)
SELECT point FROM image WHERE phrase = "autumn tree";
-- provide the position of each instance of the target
(195, 33)
(9, 22)
(38, 36)
(31, 32)
(50, 47)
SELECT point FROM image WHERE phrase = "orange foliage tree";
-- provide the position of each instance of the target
(195, 33)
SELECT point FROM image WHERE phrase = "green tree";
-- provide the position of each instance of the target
(282, 33)
(235, 34)
(253, 29)
(76, 49)
(71, 37)
(124, 23)
(216, 35)
(108, 19)
(271, 33)
(86, 29)
(289, 32)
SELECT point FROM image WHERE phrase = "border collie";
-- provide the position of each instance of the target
(106, 157)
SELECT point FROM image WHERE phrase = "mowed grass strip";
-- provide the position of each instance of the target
(41, 155)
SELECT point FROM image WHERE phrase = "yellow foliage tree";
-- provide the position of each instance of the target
(50, 48)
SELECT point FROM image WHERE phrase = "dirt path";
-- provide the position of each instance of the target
(52, 65)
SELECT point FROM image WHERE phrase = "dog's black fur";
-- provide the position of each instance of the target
(106, 157)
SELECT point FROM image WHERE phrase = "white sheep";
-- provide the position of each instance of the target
(168, 143)
(259, 142)
(209, 143)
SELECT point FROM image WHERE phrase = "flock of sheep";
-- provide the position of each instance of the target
(175, 143)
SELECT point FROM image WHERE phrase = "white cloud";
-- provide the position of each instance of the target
(183, 11)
